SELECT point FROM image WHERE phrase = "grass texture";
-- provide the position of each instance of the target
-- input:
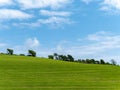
(29, 73)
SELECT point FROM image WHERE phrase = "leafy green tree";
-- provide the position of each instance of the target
(31, 53)
(60, 57)
(97, 62)
(92, 61)
(83, 61)
(10, 51)
(102, 61)
(79, 60)
(107, 63)
(64, 58)
(55, 56)
(88, 61)
(70, 58)
(50, 57)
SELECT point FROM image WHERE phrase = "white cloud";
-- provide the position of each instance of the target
(19, 11)
(13, 14)
(55, 13)
(106, 4)
(110, 6)
(97, 36)
(29, 4)
(112, 3)
(53, 22)
(6, 2)
(103, 41)
(113, 6)
(32, 43)
(29, 43)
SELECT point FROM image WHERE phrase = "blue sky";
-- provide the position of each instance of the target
(82, 28)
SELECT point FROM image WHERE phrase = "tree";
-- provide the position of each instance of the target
(79, 60)
(83, 61)
(102, 61)
(97, 62)
(31, 53)
(9, 51)
(63, 57)
(56, 56)
(113, 62)
(70, 58)
(93, 61)
(88, 61)
(60, 57)
(50, 57)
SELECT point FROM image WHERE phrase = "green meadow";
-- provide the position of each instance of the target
(30, 73)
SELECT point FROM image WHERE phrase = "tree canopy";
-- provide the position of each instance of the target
(31, 53)
(10, 51)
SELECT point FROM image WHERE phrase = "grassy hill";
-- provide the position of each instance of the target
(28, 73)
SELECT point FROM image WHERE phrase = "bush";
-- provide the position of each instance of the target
(22, 54)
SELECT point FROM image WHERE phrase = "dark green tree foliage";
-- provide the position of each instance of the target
(56, 56)
(107, 63)
(70, 58)
(22, 54)
(31, 53)
(79, 60)
(86, 61)
(65, 58)
(50, 57)
(102, 61)
(97, 62)
(93, 61)
(60, 57)
(9, 51)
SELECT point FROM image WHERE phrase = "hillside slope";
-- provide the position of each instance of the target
(28, 73)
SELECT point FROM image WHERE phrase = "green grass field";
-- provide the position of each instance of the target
(28, 73)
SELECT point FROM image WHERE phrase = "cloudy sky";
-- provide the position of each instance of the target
(82, 28)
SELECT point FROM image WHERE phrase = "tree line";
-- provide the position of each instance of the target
(11, 52)
(61, 57)
(68, 57)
